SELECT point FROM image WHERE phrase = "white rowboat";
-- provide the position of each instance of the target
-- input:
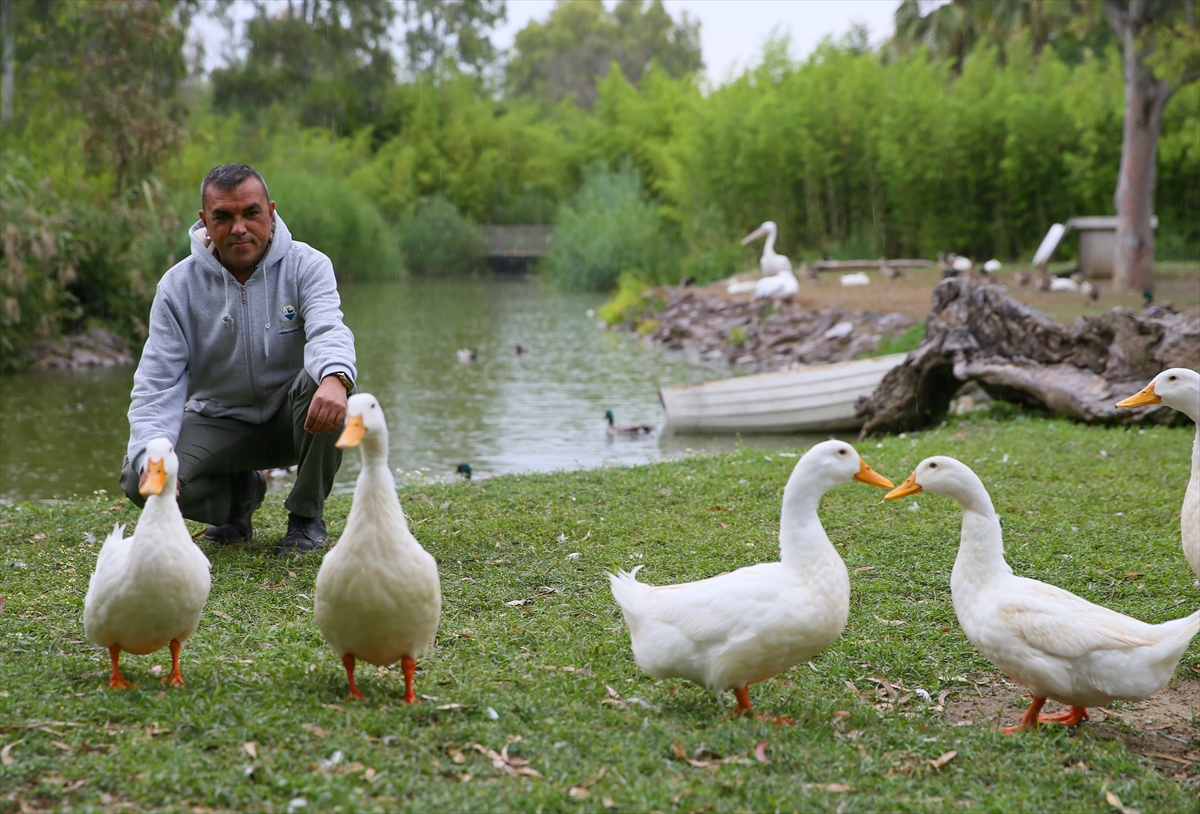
(809, 399)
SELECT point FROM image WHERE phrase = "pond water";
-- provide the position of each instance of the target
(65, 433)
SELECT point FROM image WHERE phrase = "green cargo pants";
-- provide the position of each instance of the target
(212, 449)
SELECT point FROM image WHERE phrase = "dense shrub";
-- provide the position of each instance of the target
(438, 240)
(608, 228)
(331, 216)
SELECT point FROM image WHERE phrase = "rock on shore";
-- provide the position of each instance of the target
(96, 348)
(762, 335)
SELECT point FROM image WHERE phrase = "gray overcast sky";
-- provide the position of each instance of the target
(732, 32)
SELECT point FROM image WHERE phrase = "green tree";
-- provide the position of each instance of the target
(451, 35)
(329, 59)
(573, 49)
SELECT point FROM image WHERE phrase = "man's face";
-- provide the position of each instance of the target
(238, 222)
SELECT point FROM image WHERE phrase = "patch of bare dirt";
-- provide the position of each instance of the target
(1165, 728)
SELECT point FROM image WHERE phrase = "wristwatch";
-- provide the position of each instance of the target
(345, 380)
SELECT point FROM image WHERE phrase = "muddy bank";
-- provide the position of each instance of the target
(96, 348)
(761, 335)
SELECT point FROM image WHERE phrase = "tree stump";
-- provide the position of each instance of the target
(976, 332)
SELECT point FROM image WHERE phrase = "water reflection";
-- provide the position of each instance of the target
(65, 433)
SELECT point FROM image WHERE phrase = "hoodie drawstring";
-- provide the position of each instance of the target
(266, 311)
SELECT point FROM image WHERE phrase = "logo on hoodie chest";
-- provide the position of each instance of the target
(289, 319)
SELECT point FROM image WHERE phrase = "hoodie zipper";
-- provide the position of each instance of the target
(249, 339)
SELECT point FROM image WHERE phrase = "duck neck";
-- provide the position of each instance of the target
(769, 248)
(802, 538)
(981, 546)
(160, 508)
(376, 473)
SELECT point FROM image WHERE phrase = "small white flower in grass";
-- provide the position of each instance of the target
(330, 762)
(574, 555)
(89, 538)
(562, 538)
(912, 507)
(1004, 460)
(296, 803)
(492, 714)
(924, 695)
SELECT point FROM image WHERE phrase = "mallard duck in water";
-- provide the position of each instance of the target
(624, 430)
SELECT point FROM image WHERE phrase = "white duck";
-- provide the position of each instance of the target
(148, 589)
(732, 630)
(378, 597)
(1179, 389)
(783, 284)
(770, 262)
(1058, 645)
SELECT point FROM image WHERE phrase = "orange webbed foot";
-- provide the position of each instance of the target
(116, 681)
(409, 666)
(742, 694)
(348, 663)
(1029, 719)
(175, 678)
(1069, 718)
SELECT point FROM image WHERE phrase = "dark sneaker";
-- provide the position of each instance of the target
(304, 535)
(249, 489)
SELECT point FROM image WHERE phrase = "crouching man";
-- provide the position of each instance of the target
(247, 367)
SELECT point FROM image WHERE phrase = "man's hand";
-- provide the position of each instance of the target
(328, 408)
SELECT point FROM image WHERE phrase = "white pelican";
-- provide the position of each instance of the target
(783, 284)
(770, 262)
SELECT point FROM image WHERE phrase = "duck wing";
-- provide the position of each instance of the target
(1059, 623)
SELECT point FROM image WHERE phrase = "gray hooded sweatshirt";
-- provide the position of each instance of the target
(225, 350)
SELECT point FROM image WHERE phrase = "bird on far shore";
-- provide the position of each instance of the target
(523, 350)
(464, 470)
(625, 430)
(466, 354)
(771, 262)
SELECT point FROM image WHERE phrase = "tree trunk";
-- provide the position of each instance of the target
(976, 332)
(1145, 99)
(7, 80)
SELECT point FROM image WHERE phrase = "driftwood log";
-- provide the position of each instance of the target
(976, 332)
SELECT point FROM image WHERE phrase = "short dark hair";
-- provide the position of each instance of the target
(229, 176)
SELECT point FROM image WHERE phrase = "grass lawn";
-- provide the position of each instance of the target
(533, 654)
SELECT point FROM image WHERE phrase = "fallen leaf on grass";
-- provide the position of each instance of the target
(612, 693)
(369, 774)
(941, 761)
(457, 756)
(865, 569)
(890, 622)
(760, 752)
(337, 707)
(837, 788)
(61, 745)
(314, 729)
(156, 670)
(452, 706)
(678, 751)
(251, 749)
(502, 760)
(74, 784)
(1172, 758)
(6, 753)
(1115, 802)
(580, 790)
(223, 615)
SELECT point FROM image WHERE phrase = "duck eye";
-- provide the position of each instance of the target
(933, 466)
(841, 452)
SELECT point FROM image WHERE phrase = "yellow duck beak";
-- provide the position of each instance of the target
(352, 436)
(1142, 398)
(868, 475)
(152, 480)
(909, 487)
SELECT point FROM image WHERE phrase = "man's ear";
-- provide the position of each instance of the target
(202, 218)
